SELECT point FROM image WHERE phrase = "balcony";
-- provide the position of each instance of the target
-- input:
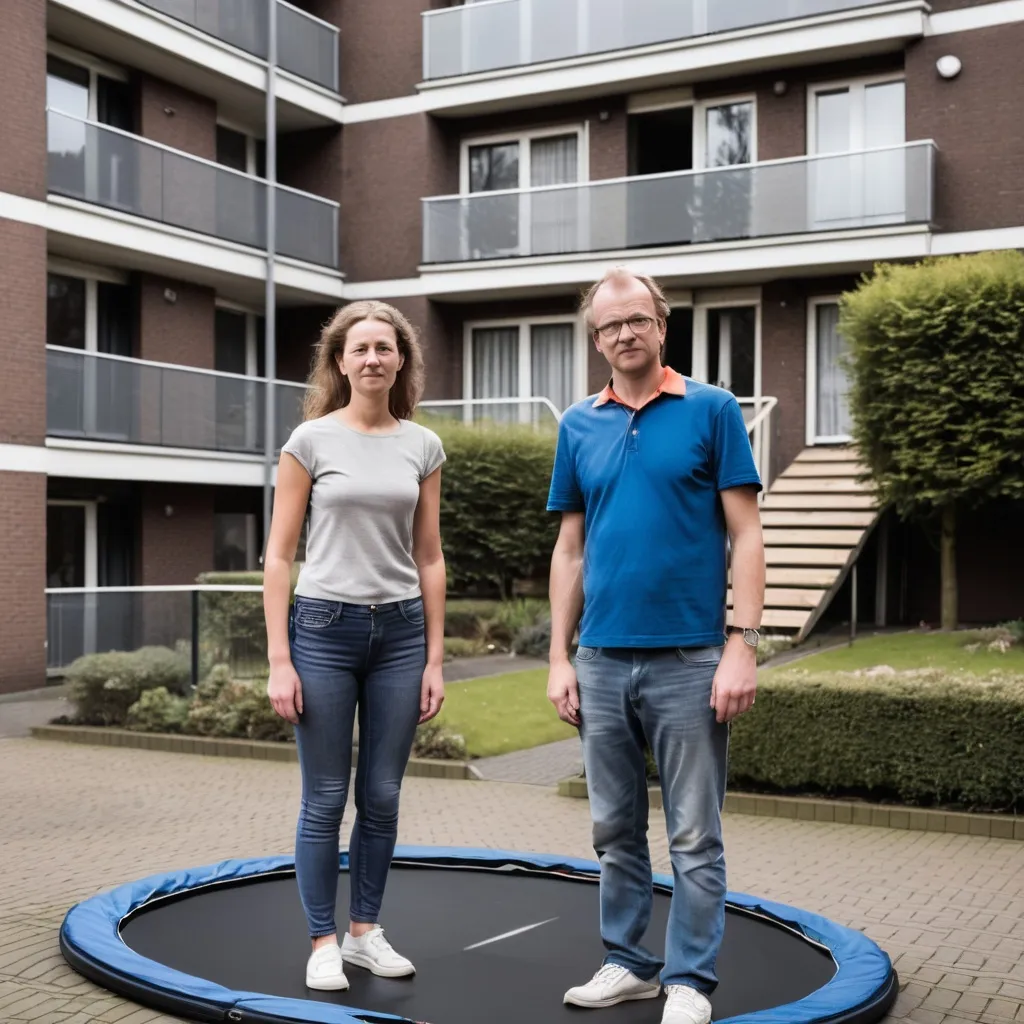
(306, 46)
(496, 35)
(130, 175)
(114, 400)
(871, 189)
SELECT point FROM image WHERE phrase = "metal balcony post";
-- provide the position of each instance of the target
(270, 310)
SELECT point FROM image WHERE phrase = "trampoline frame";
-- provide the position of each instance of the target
(863, 988)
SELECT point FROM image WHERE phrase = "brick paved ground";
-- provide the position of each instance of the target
(545, 765)
(75, 820)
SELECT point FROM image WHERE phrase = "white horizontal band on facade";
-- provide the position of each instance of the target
(969, 19)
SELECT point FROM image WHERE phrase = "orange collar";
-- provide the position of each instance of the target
(672, 383)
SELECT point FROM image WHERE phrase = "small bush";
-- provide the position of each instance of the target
(435, 740)
(994, 638)
(463, 647)
(462, 618)
(237, 709)
(533, 641)
(103, 687)
(158, 710)
(922, 738)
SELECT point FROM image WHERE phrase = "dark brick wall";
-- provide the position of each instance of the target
(389, 166)
(311, 161)
(23, 333)
(176, 332)
(191, 124)
(975, 121)
(23, 556)
(175, 549)
(784, 363)
(23, 98)
(952, 5)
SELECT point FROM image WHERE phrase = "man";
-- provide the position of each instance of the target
(652, 478)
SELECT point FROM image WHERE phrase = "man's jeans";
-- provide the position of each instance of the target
(663, 696)
(346, 656)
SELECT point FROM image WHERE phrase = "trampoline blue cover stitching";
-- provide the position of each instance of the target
(91, 928)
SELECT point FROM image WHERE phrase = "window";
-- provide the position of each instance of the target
(513, 360)
(235, 542)
(828, 411)
(514, 223)
(239, 350)
(858, 129)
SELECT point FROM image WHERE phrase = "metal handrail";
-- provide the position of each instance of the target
(693, 172)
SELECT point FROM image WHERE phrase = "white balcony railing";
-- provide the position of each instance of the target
(307, 46)
(99, 164)
(491, 35)
(869, 188)
(99, 397)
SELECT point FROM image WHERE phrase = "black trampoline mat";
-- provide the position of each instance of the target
(253, 937)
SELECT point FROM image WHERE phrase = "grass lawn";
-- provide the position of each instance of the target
(503, 713)
(910, 651)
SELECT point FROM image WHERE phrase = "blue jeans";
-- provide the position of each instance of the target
(347, 656)
(663, 696)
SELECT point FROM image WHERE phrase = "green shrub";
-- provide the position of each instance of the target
(158, 710)
(533, 641)
(237, 709)
(434, 740)
(462, 618)
(102, 687)
(923, 738)
(1001, 637)
(493, 505)
(463, 647)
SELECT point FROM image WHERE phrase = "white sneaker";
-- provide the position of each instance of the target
(684, 1005)
(612, 984)
(375, 953)
(325, 970)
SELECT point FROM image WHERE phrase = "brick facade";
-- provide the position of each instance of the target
(23, 334)
(179, 330)
(175, 548)
(23, 99)
(23, 556)
(177, 117)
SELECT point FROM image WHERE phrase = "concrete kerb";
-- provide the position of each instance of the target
(843, 812)
(261, 750)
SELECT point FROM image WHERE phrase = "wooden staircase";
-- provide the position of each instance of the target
(816, 518)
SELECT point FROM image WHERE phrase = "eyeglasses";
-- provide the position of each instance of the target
(637, 324)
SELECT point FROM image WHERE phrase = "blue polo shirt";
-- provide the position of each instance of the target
(648, 480)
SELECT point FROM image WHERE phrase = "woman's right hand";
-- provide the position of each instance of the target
(284, 688)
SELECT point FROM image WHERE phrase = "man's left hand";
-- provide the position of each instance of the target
(735, 684)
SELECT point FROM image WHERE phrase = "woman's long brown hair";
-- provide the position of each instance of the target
(328, 390)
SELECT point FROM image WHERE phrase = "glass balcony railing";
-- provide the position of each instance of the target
(871, 188)
(307, 46)
(98, 397)
(124, 172)
(490, 35)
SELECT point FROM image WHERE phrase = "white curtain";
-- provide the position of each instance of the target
(496, 371)
(554, 215)
(551, 366)
(833, 414)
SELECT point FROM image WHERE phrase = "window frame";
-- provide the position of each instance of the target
(811, 394)
(524, 324)
(524, 137)
(95, 67)
(857, 85)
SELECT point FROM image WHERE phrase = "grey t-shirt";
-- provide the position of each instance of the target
(361, 508)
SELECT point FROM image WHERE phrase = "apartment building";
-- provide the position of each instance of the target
(477, 164)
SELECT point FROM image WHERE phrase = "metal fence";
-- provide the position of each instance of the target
(307, 46)
(870, 188)
(115, 169)
(478, 37)
(206, 625)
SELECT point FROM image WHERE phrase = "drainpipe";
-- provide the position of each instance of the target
(270, 304)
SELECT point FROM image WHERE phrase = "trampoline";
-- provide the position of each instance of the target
(496, 937)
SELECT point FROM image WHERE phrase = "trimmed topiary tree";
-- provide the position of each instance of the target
(936, 365)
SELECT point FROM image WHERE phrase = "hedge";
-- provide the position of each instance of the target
(924, 738)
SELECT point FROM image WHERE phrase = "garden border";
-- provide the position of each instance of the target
(215, 746)
(847, 812)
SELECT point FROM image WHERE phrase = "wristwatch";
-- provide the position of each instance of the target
(751, 637)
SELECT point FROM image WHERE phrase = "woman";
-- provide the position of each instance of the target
(367, 626)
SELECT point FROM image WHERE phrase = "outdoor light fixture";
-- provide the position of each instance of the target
(948, 66)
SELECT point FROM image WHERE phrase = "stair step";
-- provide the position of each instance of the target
(816, 518)
(818, 485)
(812, 538)
(783, 597)
(824, 502)
(852, 468)
(818, 454)
(782, 577)
(780, 618)
(807, 556)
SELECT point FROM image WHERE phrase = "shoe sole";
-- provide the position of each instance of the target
(327, 985)
(601, 1004)
(382, 972)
